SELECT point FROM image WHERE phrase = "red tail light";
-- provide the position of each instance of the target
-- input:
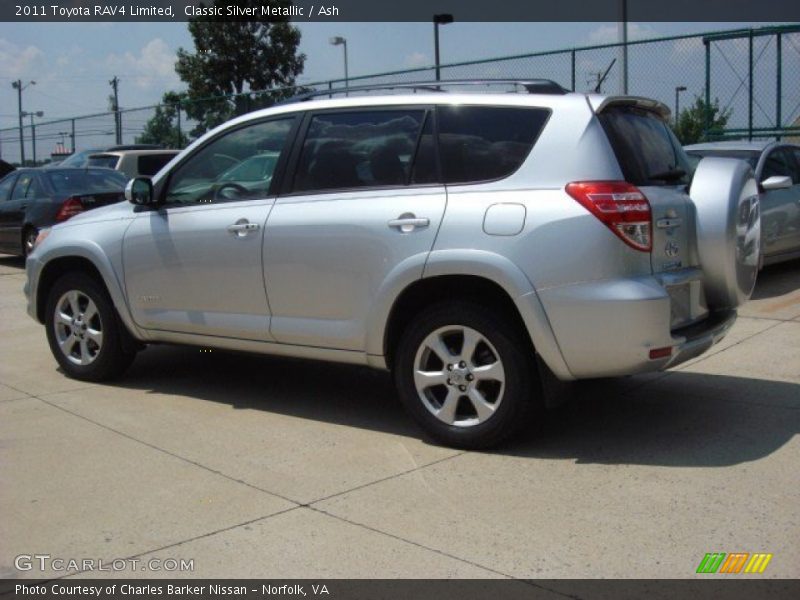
(620, 206)
(71, 207)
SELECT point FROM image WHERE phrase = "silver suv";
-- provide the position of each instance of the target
(472, 243)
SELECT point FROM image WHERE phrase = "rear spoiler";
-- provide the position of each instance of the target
(600, 103)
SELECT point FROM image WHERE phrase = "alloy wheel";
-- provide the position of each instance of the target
(78, 327)
(459, 376)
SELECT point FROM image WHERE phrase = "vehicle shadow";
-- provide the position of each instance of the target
(777, 280)
(680, 419)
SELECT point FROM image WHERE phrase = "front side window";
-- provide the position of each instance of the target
(359, 149)
(780, 162)
(483, 143)
(236, 166)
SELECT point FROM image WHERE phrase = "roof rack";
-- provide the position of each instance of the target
(531, 86)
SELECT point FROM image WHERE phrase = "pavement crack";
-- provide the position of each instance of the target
(167, 452)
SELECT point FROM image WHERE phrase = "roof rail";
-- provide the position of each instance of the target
(531, 86)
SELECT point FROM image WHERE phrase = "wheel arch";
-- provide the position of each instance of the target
(487, 281)
(78, 259)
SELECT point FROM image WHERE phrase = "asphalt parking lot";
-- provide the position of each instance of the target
(265, 467)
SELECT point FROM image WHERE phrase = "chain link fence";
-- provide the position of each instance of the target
(754, 74)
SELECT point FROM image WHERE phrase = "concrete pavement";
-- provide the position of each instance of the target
(265, 467)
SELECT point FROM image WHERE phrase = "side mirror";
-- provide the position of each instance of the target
(776, 182)
(139, 191)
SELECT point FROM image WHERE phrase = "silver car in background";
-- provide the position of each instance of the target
(777, 170)
(472, 243)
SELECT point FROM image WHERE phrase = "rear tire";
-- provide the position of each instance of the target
(84, 330)
(467, 377)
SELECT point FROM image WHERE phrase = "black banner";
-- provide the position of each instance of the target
(744, 11)
(732, 587)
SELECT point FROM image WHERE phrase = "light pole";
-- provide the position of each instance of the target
(17, 85)
(340, 41)
(441, 19)
(40, 114)
(678, 90)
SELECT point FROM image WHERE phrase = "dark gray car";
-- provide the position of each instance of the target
(31, 199)
(777, 169)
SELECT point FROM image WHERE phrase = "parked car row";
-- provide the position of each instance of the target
(32, 198)
(468, 242)
(777, 169)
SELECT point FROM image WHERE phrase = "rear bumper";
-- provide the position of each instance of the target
(608, 328)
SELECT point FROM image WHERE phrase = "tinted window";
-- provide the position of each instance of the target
(646, 149)
(150, 164)
(425, 170)
(108, 161)
(86, 182)
(359, 149)
(220, 171)
(79, 159)
(481, 143)
(6, 185)
(780, 162)
(21, 189)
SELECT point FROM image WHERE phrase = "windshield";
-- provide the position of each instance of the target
(87, 182)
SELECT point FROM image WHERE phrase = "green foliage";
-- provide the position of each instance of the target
(692, 121)
(164, 126)
(234, 57)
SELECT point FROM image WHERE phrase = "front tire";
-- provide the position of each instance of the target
(84, 331)
(466, 376)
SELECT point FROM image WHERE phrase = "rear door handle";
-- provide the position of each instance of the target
(408, 222)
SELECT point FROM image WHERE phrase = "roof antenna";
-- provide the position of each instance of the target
(602, 79)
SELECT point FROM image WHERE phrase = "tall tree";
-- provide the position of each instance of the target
(233, 57)
(692, 121)
(164, 127)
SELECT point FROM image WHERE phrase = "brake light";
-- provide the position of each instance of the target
(620, 206)
(72, 206)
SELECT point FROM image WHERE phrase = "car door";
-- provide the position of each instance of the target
(793, 227)
(363, 202)
(7, 241)
(779, 208)
(193, 265)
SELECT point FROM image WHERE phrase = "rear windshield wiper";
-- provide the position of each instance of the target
(668, 175)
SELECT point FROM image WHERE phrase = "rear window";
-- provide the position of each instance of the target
(482, 143)
(108, 161)
(150, 164)
(87, 182)
(646, 149)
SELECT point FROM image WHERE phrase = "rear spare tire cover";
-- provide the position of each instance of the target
(728, 220)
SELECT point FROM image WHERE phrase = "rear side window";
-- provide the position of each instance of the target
(21, 189)
(86, 182)
(107, 161)
(646, 149)
(359, 149)
(150, 164)
(482, 143)
(6, 185)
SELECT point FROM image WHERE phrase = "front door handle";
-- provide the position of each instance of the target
(408, 222)
(242, 227)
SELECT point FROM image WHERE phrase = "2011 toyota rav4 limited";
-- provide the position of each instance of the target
(469, 242)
